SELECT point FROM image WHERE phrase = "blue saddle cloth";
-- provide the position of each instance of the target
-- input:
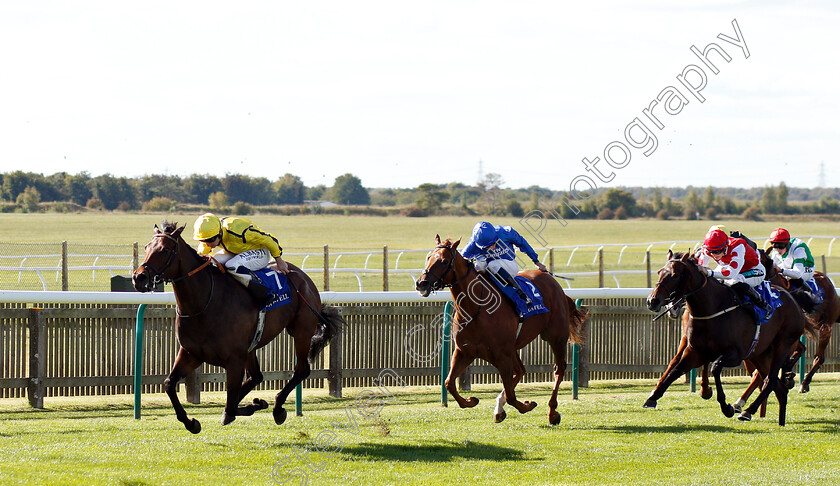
(530, 290)
(277, 284)
(818, 292)
(771, 297)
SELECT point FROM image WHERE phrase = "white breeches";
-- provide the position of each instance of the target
(251, 259)
(493, 266)
(753, 277)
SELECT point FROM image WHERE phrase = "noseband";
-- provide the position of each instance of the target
(673, 298)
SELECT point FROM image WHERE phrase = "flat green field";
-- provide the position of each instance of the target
(357, 242)
(349, 232)
(606, 437)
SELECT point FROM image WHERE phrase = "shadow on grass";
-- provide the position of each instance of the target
(444, 451)
(676, 429)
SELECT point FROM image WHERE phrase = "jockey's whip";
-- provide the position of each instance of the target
(559, 276)
(300, 294)
(668, 308)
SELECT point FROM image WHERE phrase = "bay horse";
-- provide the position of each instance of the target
(216, 323)
(486, 325)
(721, 330)
(822, 316)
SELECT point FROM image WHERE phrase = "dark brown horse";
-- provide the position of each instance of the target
(823, 315)
(486, 325)
(721, 330)
(216, 323)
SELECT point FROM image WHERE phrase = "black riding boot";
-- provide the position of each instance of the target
(511, 282)
(750, 292)
(260, 293)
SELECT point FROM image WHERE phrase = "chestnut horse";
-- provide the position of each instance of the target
(486, 325)
(722, 331)
(216, 323)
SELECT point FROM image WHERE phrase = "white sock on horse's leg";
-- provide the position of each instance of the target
(500, 403)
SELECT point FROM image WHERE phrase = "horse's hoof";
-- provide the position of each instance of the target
(745, 417)
(279, 416)
(226, 419)
(706, 393)
(471, 402)
(650, 403)
(736, 407)
(554, 418)
(728, 410)
(789, 383)
(500, 417)
(804, 388)
(260, 404)
(194, 426)
(529, 406)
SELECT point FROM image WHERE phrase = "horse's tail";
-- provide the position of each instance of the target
(577, 321)
(330, 323)
(812, 327)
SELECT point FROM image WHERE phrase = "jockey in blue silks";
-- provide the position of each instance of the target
(491, 249)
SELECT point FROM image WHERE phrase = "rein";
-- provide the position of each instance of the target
(438, 283)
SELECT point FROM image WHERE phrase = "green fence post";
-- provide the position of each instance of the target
(444, 353)
(138, 359)
(802, 340)
(692, 379)
(299, 400)
(576, 362)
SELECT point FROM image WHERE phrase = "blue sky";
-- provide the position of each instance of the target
(400, 94)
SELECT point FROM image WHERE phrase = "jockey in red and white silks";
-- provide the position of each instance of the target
(737, 261)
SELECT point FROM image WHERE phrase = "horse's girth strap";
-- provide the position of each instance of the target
(720, 313)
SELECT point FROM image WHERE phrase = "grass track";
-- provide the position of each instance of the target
(606, 437)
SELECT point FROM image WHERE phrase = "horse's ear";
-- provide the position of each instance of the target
(686, 256)
(157, 230)
(455, 244)
(670, 254)
(437, 240)
(178, 231)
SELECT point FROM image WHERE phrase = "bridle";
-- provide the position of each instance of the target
(438, 283)
(157, 276)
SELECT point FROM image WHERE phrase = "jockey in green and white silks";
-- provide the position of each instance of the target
(792, 255)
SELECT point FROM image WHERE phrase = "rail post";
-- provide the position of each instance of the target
(326, 267)
(334, 377)
(551, 260)
(138, 359)
(64, 279)
(384, 268)
(444, 353)
(37, 358)
(600, 268)
(135, 259)
(647, 273)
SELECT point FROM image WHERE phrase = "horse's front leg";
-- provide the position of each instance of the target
(459, 363)
(185, 363)
(685, 360)
(253, 377)
(717, 368)
(705, 389)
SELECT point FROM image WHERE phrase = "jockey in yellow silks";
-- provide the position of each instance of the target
(239, 245)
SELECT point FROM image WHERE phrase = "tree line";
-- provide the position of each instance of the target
(242, 194)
